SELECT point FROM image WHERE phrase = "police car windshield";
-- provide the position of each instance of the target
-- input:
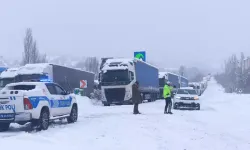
(186, 91)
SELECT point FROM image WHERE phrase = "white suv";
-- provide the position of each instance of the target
(186, 97)
(35, 102)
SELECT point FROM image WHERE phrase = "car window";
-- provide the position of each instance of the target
(186, 91)
(59, 90)
(22, 87)
(51, 89)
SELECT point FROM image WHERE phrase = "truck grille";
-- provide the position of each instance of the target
(115, 95)
(187, 98)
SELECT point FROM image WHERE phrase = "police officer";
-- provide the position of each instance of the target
(167, 97)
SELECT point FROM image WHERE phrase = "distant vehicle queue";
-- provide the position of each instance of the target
(115, 79)
(40, 93)
(117, 76)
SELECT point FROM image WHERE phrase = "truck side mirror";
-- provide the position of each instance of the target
(131, 74)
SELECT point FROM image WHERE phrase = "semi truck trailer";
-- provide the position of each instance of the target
(176, 80)
(68, 78)
(7, 76)
(118, 75)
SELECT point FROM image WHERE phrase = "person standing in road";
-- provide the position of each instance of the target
(167, 97)
(136, 97)
(172, 96)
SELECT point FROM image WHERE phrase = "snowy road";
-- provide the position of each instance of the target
(223, 123)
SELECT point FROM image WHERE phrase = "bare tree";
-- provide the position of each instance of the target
(90, 64)
(28, 45)
(34, 54)
(31, 53)
(182, 70)
(43, 58)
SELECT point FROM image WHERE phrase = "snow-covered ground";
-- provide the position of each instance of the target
(222, 123)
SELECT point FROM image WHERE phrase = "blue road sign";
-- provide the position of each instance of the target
(140, 55)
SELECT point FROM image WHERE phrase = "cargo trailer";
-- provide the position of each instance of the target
(68, 78)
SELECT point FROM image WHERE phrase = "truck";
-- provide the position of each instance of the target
(168, 76)
(117, 75)
(7, 76)
(68, 78)
(176, 80)
(196, 86)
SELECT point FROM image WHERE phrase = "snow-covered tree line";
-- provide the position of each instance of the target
(235, 77)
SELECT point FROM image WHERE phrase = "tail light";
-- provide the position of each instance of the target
(27, 104)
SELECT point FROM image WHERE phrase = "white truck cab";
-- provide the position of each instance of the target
(35, 102)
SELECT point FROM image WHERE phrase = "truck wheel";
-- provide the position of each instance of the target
(43, 122)
(4, 127)
(73, 115)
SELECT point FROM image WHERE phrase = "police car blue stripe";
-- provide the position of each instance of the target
(34, 100)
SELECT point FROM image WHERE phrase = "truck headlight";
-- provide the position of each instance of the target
(177, 97)
(128, 94)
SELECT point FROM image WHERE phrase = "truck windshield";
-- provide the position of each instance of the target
(115, 77)
(5, 81)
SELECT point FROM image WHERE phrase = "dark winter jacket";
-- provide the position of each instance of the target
(136, 95)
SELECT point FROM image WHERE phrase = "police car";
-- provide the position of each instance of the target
(35, 102)
(186, 97)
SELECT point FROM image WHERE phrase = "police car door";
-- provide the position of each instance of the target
(64, 100)
(54, 99)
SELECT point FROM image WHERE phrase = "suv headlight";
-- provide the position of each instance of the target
(196, 98)
(178, 97)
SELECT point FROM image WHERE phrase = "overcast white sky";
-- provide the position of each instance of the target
(173, 32)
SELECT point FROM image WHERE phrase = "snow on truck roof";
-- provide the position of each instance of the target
(122, 61)
(162, 74)
(9, 73)
(40, 68)
(34, 68)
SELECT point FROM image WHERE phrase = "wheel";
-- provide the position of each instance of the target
(175, 106)
(43, 122)
(4, 127)
(73, 115)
